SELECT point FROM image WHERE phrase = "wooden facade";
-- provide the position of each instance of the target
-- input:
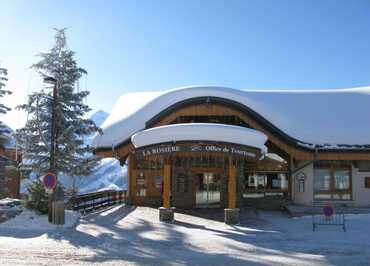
(9, 158)
(172, 178)
(165, 182)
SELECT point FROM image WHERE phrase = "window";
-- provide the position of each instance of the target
(217, 119)
(301, 185)
(301, 177)
(182, 183)
(367, 182)
(258, 185)
(363, 166)
(158, 181)
(322, 180)
(341, 179)
(332, 183)
(140, 185)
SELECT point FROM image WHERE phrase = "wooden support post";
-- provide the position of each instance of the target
(166, 213)
(232, 213)
(232, 185)
(166, 185)
(130, 192)
(291, 181)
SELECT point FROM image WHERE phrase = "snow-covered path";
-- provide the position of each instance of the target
(130, 236)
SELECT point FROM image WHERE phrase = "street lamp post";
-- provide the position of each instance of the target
(53, 147)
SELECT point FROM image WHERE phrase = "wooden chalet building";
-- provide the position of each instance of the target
(9, 160)
(214, 146)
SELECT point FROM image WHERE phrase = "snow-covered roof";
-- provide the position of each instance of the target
(200, 132)
(339, 116)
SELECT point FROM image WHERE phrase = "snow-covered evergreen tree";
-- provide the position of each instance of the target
(3, 107)
(3, 129)
(72, 156)
(37, 197)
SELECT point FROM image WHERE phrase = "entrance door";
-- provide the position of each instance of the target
(207, 189)
(182, 192)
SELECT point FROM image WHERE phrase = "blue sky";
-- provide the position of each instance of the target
(156, 45)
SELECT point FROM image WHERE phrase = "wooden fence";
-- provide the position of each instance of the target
(97, 200)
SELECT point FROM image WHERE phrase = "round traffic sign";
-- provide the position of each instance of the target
(328, 210)
(50, 181)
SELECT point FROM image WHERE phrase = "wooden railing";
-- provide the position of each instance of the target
(97, 200)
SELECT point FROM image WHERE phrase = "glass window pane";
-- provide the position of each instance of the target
(344, 196)
(341, 179)
(301, 185)
(322, 196)
(322, 180)
(140, 185)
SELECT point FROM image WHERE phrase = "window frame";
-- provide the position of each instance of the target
(332, 168)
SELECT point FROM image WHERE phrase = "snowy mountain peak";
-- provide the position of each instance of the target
(10, 139)
(99, 117)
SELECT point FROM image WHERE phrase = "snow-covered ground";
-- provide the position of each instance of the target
(30, 221)
(9, 203)
(134, 236)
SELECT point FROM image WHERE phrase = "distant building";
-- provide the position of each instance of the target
(9, 159)
(214, 146)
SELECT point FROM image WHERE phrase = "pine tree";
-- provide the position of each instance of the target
(3, 129)
(3, 108)
(72, 156)
(37, 197)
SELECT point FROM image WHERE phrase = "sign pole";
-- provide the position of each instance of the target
(52, 149)
(50, 182)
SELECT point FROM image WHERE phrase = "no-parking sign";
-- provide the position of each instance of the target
(50, 181)
(328, 210)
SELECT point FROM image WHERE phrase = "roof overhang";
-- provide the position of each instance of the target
(201, 132)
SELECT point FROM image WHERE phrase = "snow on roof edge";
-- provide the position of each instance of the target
(200, 132)
(154, 102)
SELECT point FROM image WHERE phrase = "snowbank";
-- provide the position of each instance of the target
(10, 203)
(29, 220)
(308, 116)
(202, 132)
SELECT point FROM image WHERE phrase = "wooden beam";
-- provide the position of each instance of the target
(130, 177)
(232, 185)
(166, 185)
